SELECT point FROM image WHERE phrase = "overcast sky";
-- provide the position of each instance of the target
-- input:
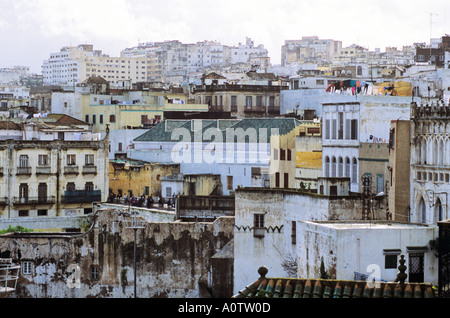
(32, 29)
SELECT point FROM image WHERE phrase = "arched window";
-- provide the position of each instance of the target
(359, 71)
(423, 210)
(441, 153)
(333, 167)
(327, 167)
(424, 152)
(438, 210)
(419, 151)
(435, 152)
(341, 167)
(347, 167)
(354, 170)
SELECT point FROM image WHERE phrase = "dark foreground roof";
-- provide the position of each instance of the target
(328, 288)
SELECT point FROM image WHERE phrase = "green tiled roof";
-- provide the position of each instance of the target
(327, 288)
(164, 130)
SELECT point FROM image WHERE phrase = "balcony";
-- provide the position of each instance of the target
(71, 170)
(81, 196)
(216, 108)
(89, 169)
(254, 109)
(43, 170)
(23, 171)
(274, 110)
(34, 200)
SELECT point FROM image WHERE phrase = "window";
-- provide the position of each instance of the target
(42, 212)
(43, 160)
(94, 119)
(230, 182)
(24, 213)
(89, 186)
(333, 129)
(86, 118)
(272, 101)
(277, 179)
(95, 273)
(327, 129)
(282, 154)
(259, 102)
(23, 161)
(258, 225)
(119, 147)
(275, 154)
(248, 101)
(168, 192)
(70, 186)
(233, 103)
(294, 232)
(112, 118)
(354, 129)
(71, 160)
(286, 180)
(390, 261)
(89, 160)
(27, 268)
(101, 119)
(341, 126)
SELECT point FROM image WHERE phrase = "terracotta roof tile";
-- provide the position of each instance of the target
(329, 288)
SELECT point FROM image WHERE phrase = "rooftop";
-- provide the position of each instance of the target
(265, 287)
(164, 130)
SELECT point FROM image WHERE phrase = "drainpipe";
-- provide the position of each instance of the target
(10, 163)
(58, 172)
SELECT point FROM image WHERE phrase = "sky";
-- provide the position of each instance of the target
(32, 29)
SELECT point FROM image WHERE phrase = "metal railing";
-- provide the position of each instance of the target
(9, 274)
(34, 200)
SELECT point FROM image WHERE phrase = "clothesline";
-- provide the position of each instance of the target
(356, 87)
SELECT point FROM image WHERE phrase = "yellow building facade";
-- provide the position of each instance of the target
(296, 157)
(138, 177)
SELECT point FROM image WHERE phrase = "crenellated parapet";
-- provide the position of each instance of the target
(433, 109)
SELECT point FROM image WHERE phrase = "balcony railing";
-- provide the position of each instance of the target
(34, 200)
(81, 196)
(255, 109)
(274, 110)
(89, 169)
(216, 108)
(43, 170)
(23, 170)
(71, 170)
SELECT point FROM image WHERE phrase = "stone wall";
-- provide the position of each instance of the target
(173, 259)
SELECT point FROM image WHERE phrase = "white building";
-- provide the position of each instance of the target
(57, 168)
(349, 123)
(74, 64)
(366, 250)
(430, 162)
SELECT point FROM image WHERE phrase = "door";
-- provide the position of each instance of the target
(416, 268)
(42, 192)
(23, 193)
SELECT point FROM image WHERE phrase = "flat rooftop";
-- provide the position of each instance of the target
(375, 224)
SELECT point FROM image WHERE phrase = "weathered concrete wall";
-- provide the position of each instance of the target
(277, 248)
(349, 247)
(47, 222)
(173, 259)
